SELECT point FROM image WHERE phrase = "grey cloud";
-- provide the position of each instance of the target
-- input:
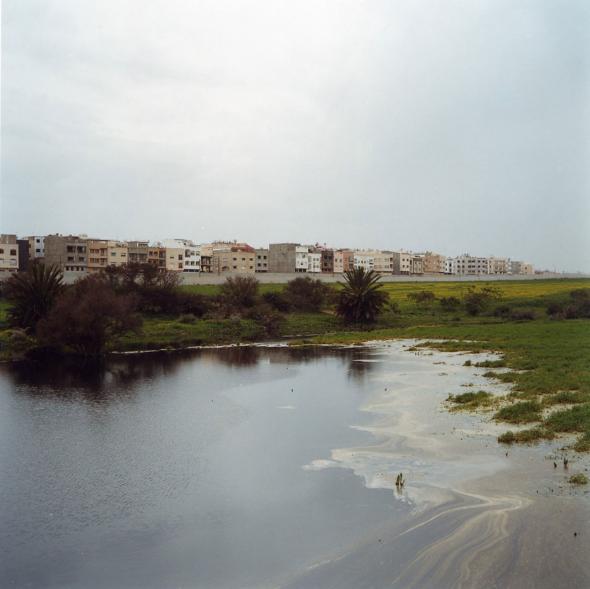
(454, 126)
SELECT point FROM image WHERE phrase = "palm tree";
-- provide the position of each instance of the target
(361, 298)
(33, 293)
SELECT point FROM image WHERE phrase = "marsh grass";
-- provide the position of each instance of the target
(471, 401)
(522, 412)
(526, 436)
(578, 479)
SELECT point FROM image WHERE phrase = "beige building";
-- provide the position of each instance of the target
(346, 258)
(174, 258)
(233, 257)
(499, 265)
(416, 264)
(9, 258)
(517, 267)
(68, 252)
(467, 265)
(106, 252)
(383, 262)
(262, 260)
(157, 256)
(191, 254)
(402, 262)
(138, 252)
(206, 258)
(433, 263)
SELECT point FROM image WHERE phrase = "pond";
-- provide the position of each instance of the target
(228, 467)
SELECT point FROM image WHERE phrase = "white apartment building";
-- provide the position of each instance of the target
(182, 255)
(467, 265)
(364, 259)
(301, 258)
(314, 262)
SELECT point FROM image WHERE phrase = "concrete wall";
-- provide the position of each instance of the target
(280, 278)
(275, 278)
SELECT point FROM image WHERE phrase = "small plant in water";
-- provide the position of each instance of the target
(578, 479)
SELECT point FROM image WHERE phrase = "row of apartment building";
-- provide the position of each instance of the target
(80, 253)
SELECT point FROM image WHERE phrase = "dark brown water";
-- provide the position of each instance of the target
(181, 470)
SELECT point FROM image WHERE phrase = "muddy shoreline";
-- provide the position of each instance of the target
(482, 514)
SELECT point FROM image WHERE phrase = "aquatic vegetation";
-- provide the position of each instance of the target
(578, 479)
(470, 401)
(523, 412)
(526, 436)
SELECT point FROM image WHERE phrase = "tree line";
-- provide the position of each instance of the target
(85, 317)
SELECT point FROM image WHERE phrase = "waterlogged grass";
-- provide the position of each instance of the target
(578, 479)
(526, 436)
(522, 412)
(549, 362)
(471, 401)
(567, 397)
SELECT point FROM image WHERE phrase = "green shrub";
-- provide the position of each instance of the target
(449, 304)
(306, 294)
(423, 298)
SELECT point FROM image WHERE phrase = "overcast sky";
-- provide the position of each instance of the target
(446, 125)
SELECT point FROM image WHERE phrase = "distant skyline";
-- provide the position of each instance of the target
(440, 125)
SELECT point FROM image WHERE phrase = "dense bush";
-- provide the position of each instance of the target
(578, 306)
(449, 303)
(277, 300)
(522, 315)
(502, 311)
(87, 316)
(306, 294)
(238, 293)
(33, 294)
(394, 308)
(267, 317)
(361, 299)
(156, 291)
(158, 300)
(423, 298)
(478, 300)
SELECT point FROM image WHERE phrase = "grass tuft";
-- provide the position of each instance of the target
(578, 479)
(523, 412)
(527, 436)
(469, 401)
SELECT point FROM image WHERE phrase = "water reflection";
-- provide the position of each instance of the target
(67, 377)
(180, 469)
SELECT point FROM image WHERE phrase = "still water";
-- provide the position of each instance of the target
(183, 470)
